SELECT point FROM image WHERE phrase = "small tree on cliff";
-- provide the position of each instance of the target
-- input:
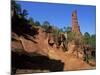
(15, 8)
(93, 41)
(67, 29)
(45, 25)
(24, 13)
(31, 20)
(37, 23)
(89, 39)
(86, 37)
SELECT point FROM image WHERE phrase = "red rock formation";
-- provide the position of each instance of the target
(71, 62)
(75, 25)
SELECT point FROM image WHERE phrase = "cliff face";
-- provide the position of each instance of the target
(40, 46)
(75, 25)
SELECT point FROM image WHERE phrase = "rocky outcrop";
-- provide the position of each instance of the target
(75, 25)
(41, 46)
(75, 49)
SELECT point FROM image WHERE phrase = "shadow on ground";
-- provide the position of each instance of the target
(24, 61)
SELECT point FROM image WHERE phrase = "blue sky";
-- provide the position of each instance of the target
(60, 14)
